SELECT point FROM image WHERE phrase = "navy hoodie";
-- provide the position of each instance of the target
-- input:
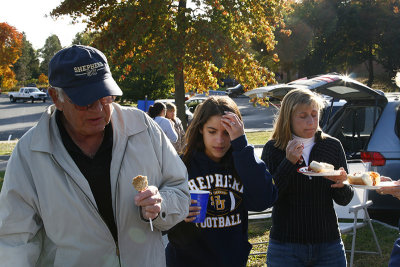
(237, 184)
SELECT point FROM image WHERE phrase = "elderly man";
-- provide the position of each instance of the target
(67, 198)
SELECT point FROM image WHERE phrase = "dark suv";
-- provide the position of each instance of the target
(367, 124)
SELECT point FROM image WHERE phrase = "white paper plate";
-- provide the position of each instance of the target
(374, 187)
(305, 171)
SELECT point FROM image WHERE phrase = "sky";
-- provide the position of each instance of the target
(29, 16)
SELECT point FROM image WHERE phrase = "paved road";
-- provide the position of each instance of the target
(17, 118)
(255, 118)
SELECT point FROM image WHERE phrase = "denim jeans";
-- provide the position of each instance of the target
(329, 254)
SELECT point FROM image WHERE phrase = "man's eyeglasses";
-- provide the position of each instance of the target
(104, 101)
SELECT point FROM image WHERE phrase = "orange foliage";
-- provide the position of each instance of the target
(43, 79)
(10, 51)
(206, 45)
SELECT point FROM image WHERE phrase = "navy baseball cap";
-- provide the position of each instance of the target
(83, 73)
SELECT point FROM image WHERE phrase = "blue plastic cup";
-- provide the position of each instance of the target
(202, 201)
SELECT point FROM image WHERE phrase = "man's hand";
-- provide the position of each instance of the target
(150, 201)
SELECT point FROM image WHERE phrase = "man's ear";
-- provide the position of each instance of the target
(54, 96)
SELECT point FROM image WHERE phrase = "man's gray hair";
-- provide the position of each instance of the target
(60, 93)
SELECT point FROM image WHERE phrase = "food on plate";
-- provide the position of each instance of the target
(140, 182)
(316, 166)
(364, 178)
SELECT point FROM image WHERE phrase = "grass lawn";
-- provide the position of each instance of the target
(258, 138)
(6, 147)
(259, 232)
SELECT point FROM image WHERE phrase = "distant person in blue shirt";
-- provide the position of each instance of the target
(220, 160)
(157, 112)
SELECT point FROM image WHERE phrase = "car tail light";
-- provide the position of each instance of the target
(376, 158)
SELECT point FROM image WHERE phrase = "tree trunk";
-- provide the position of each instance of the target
(180, 94)
(370, 68)
(288, 76)
(179, 64)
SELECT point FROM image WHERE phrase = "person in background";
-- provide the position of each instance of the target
(67, 197)
(304, 224)
(395, 192)
(171, 115)
(220, 160)
(157, 112)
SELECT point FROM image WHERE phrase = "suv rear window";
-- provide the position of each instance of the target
(353, 126)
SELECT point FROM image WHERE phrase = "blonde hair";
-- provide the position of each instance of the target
(282, 132)
(170, 106)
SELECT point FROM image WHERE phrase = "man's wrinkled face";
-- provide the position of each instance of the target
(85, 121)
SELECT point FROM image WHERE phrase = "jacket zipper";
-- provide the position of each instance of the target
(94, 207)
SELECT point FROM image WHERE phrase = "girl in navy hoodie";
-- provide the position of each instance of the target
(220, 160)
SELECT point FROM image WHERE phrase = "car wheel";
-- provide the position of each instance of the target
(44, 100)
(32, 100)
(12, 99)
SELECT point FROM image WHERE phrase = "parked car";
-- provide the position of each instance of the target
(367, 123)
(213, 92)
(27, 94)
(194, 101)
(235, 91)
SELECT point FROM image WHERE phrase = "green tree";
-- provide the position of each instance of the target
(50, 48)
(345, 34)
(171, 37)
(294, 47)
(84, 38)
(389, 43)
(137, 84)
(27, 66)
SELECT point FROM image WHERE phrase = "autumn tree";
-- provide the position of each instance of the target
(43, 79)
(50, 48)
(27, 65)
(184, 40)
(10, 51)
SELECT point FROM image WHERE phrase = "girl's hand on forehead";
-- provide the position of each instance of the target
(233, 125)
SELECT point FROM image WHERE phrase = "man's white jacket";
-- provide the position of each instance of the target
(49, 217)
